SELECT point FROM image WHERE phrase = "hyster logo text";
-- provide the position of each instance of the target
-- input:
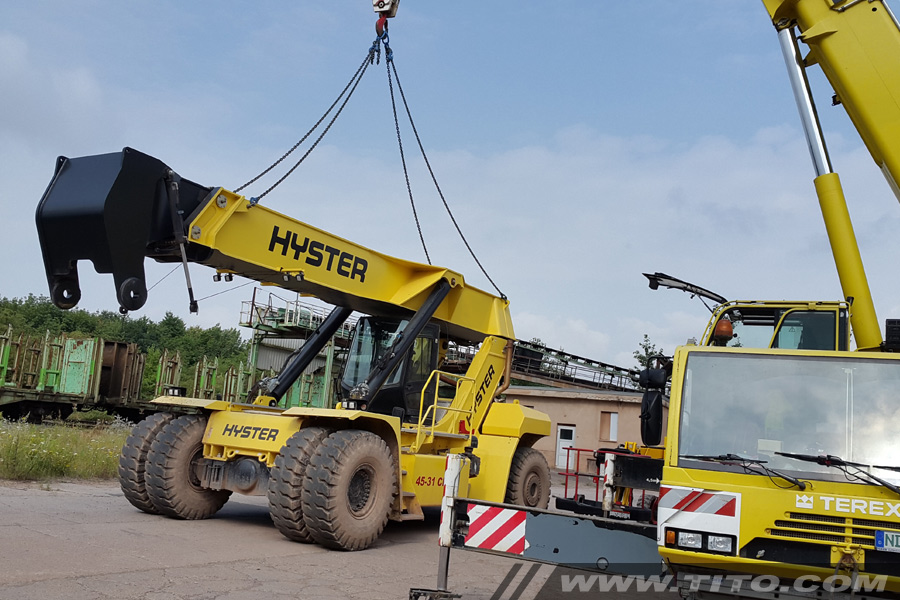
(319, 254)
(263, 434)
(479, 396)
(879, 508)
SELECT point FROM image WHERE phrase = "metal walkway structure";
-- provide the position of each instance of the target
(275, 316)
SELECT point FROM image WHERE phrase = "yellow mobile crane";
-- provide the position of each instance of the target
(332, 476)
(824, 420)
(780, 474)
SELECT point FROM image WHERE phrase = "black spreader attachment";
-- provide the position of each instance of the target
(111, 209)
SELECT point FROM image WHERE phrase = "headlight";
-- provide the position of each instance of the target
(687, 539)
(718, 543)
(700, 541)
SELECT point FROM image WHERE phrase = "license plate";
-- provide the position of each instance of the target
(888, 541)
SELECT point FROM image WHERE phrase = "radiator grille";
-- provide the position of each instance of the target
(814, 517)
(830, 529)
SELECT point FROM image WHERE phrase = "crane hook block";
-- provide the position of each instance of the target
(111, 209)
(387, 8)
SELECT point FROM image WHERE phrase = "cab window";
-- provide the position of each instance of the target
(765, 327)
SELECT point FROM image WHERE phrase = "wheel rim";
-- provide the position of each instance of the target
(194, 468)
(532, 491)
(359, 491)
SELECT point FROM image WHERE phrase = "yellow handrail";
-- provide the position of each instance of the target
(432, 409)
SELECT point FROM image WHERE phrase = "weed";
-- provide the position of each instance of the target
(38, 452)
(90, 416)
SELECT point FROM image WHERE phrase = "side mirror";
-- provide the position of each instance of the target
(651, 417)
(653, 378)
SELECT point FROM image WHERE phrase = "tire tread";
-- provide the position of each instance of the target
(286, 483)
(168, 472)
(325, 510)
(133, 460)
(525, 461)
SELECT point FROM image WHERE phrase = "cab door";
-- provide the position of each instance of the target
(421, 362)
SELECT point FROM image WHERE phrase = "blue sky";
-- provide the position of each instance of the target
(578, 143)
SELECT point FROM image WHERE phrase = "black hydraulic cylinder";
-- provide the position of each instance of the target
(292, 371)
(384, 368)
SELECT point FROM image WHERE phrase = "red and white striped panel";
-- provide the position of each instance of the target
(495, 528)
(698, 510)
(699, 501)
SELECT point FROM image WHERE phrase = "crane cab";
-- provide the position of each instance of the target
(785, 325)
(373, 340)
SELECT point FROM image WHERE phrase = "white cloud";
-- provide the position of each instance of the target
(556, 331)
(44, 104)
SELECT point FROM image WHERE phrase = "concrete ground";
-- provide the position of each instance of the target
(85, 541)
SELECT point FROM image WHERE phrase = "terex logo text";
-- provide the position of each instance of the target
(880, 508)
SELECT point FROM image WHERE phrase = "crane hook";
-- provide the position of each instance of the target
(385, 9)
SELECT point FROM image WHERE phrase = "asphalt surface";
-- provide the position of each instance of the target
(83, 541)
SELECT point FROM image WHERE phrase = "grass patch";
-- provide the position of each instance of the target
(91, 416)
(35, 452)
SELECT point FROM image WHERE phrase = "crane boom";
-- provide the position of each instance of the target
(857, 46)
(115, 210)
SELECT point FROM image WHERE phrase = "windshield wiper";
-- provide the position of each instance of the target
(829, 460)
(715, 457)
(745, 463)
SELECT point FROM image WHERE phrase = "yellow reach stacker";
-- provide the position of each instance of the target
(332, 476)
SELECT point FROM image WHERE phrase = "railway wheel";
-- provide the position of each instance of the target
(133, 460)
(172, 482)
(286, 483)
(529, 479)
(349, 490)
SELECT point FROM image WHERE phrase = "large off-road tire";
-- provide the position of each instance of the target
(172, 484)
(133, 460)
(529, 479)
(350, 486)
(286, 483)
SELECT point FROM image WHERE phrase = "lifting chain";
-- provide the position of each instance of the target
(351, 86)
(393, 67)
(373, 56)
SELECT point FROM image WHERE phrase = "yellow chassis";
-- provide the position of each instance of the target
(241, 430)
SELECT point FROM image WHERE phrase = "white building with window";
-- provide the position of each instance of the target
(582, 418)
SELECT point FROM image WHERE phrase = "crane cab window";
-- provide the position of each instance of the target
(781, 327)
(372, 342)
(806, 330)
